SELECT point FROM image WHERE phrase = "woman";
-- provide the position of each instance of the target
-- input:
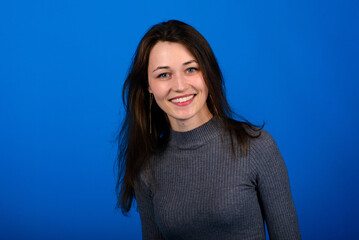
(195, 172)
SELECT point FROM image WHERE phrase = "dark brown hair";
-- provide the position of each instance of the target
(136, 144)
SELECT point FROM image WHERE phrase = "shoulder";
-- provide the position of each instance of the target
(263, 148)
(265, 155)
(262, 140)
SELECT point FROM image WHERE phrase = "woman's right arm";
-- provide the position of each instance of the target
(144, 202)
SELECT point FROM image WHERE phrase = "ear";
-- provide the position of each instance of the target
(149, 89)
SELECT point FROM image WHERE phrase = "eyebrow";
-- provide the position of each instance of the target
(161, 67)
(189, 62)
(167, 67)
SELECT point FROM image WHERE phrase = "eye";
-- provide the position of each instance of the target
(163, 75)
(191, 70)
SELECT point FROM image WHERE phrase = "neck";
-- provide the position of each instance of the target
(196, 137)
(184, 125)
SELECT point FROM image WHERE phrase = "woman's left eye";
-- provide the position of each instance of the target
(191, 70)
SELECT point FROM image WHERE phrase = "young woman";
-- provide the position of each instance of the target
(195, 171)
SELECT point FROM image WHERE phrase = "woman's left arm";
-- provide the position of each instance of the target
(274, 192)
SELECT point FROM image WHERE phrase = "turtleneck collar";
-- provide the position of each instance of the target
(197, 137)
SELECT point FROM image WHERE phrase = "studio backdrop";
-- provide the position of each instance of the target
(291, 64)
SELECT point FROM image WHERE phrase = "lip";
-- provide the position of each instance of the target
(182, 96)
(181, 104)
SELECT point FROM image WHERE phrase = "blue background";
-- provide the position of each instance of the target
(292, 64)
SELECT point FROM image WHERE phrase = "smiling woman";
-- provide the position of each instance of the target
(195, 171)
(178, 86)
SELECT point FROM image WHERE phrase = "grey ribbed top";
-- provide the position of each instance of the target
(196, 189)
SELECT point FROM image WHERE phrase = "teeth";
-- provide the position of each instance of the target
(181, 100)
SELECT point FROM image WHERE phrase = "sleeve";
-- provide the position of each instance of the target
(274, 191)
(143, 195)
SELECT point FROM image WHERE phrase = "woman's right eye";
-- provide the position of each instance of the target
(163, 75)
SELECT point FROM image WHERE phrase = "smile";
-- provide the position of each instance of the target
(182, 99)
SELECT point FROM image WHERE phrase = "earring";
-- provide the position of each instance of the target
(214, 105)
(151, 99)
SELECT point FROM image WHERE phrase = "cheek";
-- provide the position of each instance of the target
(158, 89)
(201, 84)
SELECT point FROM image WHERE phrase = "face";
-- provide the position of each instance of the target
(178, 86)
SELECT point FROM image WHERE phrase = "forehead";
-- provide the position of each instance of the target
(169, 53)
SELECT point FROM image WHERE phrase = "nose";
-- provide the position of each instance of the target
(179, 83)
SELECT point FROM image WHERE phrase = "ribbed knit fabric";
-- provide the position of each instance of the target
(196, 189)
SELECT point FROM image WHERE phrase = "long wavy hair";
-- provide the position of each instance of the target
(135, 142)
